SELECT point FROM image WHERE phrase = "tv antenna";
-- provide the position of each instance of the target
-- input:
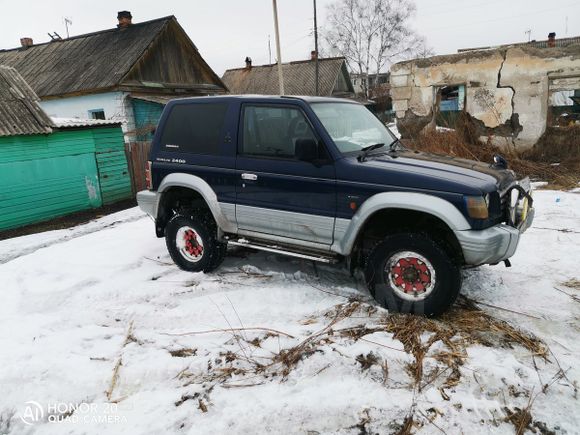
(67, 22)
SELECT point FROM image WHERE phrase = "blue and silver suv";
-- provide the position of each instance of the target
(323, 179)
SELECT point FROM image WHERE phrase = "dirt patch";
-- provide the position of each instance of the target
(68, 221)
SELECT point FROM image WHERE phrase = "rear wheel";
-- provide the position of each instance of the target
(192, 243)
(412, 273)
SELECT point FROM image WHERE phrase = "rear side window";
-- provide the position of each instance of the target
(194, 128)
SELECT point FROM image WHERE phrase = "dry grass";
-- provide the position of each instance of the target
(572, 283)
(463, 326)
(460, 328)
(553, 159)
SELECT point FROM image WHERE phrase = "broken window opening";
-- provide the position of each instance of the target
(564, 108)
(450, 104)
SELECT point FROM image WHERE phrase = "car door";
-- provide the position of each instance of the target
(277, 195)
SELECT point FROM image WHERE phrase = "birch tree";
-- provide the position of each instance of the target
(372, 34)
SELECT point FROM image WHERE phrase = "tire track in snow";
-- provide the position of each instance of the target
(76, 232)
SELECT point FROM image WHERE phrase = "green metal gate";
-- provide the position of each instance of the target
(114, 177)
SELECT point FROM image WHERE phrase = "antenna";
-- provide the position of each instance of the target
(529, 33)
(67, 22)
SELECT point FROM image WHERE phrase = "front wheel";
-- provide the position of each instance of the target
(412, 273)
(192, 244)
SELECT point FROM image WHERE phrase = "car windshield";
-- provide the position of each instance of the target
(352, 127)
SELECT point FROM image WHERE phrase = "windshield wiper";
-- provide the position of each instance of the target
(366, 150)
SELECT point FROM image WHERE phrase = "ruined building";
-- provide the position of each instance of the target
(511, 94)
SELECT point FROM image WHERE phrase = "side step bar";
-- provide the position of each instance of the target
(279, 250)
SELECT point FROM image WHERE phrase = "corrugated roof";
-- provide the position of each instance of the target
(20, 112)
(298, 78)
(85, 62)
(77, 122)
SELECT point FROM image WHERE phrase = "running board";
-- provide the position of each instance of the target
(278, 250)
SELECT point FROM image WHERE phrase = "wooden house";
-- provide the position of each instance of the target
(125, 73)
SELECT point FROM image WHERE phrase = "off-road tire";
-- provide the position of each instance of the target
(204, 228)
(446, 275)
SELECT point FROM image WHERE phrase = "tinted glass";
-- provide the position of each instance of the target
(273, 131)
(352, 126)
(194, 128)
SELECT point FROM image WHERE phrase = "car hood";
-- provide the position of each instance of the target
(462, 173)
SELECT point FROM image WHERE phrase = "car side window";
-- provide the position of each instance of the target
(273, 131)
(194, 128)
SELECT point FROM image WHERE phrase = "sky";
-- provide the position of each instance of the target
(226, 31)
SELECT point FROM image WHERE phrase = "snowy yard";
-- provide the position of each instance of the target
(101, 331)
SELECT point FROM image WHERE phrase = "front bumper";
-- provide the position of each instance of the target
(148, 201)
(494, 244)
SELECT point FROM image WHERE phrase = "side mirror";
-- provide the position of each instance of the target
(306, 150)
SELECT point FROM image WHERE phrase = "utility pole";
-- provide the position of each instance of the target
(315, 49)
(529, 33)
(269, 51)
(280, 75)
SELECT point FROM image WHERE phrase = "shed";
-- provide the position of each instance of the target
(50, 168)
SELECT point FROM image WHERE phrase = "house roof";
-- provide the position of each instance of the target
(20, 112)
(298, 78)
(90, 62)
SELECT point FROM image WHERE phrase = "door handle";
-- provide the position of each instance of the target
(252, 177)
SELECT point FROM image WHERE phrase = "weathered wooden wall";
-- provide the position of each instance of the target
(137, 156)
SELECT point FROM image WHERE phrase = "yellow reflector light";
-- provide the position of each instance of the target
(477, 207)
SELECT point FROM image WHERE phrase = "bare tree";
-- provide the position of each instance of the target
(372, 34)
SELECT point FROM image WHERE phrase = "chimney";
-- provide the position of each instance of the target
(552, 39)
(313, 55)
(124, 18)
(26, 42)
(248, 62)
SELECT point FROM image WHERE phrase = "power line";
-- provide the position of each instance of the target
(468, 24)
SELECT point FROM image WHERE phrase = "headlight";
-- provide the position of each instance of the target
(477, 206)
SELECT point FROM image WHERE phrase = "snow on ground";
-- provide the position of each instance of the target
(97, 318)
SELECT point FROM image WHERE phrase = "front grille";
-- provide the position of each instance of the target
(504, 207)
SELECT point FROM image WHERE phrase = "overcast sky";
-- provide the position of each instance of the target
(226, 31)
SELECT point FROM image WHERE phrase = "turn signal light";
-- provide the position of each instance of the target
(477, 207)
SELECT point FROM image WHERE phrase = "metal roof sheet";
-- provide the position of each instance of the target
(77, 122)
